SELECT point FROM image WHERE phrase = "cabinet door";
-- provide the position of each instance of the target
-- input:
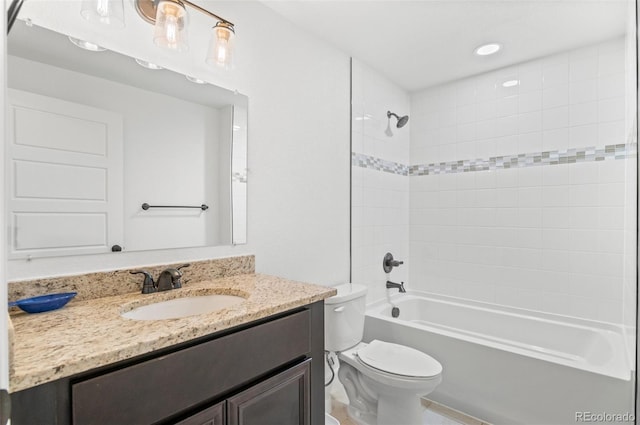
(280, 400)
(213, 415)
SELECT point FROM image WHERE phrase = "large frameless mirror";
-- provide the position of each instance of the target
(106, 153)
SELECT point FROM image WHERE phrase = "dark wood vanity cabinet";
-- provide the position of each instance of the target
(214, 415)
(269, 372)
(282, 399)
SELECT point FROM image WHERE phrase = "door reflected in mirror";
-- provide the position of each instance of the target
(94, 135)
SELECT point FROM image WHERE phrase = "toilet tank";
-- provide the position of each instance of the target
(344, 317)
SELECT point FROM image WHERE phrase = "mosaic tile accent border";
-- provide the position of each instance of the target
(373, 163)
(569, 156)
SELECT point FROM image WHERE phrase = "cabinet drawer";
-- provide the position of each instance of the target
(159, 388)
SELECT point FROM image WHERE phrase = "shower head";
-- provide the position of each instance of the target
(402, 121)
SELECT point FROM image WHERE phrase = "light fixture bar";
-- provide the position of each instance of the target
(169, 18)
(206, 12)
(147, 10)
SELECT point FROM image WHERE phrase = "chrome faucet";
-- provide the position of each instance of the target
(398, 286)
(168, 279)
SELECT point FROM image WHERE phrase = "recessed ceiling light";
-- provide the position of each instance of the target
(511, 83)
(487, 49)
(87, 45)
(148, 65)
(195, 80)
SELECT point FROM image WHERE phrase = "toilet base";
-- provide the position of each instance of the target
(399, 410)
(391, 411)
(372, 404)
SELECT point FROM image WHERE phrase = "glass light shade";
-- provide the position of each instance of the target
(108, 12)
(221, 46)
(171, 25)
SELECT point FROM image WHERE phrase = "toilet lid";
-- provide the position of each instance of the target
(399, 360)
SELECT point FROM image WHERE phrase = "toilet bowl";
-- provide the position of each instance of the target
(387, 380)
(383, 381)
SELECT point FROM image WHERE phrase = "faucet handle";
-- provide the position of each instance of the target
(176, 275)
(149, 286)
(388, 262)
(177, 283)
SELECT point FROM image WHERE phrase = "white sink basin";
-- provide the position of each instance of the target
(182, 307)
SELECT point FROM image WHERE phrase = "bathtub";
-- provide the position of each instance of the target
(507, 365)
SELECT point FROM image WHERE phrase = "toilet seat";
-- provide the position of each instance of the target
(398, 360)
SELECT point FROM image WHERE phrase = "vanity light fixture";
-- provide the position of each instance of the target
(108, 12)
(487, 49)
(170, 20)
(148, 65)
(221, 45)
(87, 45)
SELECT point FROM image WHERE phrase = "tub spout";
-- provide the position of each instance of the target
(398, 286)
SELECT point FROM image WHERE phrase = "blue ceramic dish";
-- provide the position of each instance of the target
(43, 303)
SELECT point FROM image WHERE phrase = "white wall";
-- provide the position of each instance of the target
(380, 199)
(551, 237)
(298, 89)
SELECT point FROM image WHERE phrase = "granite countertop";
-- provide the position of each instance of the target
(87, 334)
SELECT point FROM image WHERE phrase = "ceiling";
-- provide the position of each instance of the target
(421, 43)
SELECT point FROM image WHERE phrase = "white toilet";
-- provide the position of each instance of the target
(383, 381)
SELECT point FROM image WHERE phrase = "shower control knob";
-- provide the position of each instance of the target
(388, 263)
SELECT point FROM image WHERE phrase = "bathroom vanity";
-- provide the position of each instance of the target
(259, 362)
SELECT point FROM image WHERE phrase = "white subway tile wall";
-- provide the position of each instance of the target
(519, 194)
(380, 199)
(555, 238)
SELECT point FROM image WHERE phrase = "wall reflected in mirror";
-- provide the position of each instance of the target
(94, 135)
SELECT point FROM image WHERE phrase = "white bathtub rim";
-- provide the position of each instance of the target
(618, 366)
(522, 312)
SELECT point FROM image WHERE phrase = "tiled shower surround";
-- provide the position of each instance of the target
(522, 196)
(380, 186)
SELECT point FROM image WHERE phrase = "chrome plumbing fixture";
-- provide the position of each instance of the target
(402, 121)
(398, 286)
(388, 263)
(395, 312)
(168, 279)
